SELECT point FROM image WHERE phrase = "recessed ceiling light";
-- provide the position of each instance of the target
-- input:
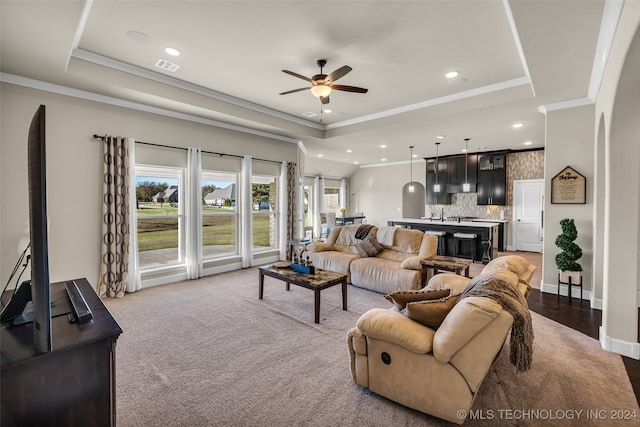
(328, 110)
(355, 163)
(464, 150)
(415, 155)
(349, 151)
(384, 160)
(320, 155)
(383, 146)
(440, 136)
(518, 125)
(452, 74)
(172, 51)
(528, 143)
(309, 114)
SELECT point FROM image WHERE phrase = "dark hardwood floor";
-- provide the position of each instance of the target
(581, 318)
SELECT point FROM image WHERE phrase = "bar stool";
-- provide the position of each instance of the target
(470, 237)
(442, 240)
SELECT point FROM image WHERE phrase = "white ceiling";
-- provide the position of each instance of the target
(513, 57)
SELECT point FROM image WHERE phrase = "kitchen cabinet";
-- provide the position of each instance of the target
(441, 198)
(492, 178)
(456, 172)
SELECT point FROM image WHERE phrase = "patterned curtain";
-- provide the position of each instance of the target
(115, 218)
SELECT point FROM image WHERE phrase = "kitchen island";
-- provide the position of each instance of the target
(486, 243)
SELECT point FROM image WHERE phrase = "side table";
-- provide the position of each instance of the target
(446, 263)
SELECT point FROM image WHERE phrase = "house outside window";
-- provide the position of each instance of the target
(160, 216)
(219, 215)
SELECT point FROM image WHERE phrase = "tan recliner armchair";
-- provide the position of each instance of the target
(436, 371)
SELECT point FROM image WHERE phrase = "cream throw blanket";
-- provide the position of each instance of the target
(385, 235)
(521, 342)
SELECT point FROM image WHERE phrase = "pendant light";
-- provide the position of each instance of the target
(466, 187)
(411, 186)
(436, 187)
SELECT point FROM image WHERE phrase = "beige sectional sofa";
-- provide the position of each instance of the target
(396, 267)
(436, 371)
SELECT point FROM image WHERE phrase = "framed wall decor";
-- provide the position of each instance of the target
(569, 186)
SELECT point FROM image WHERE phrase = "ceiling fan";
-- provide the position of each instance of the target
(322, 84)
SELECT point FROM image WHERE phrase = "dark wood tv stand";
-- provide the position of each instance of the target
(73, 385)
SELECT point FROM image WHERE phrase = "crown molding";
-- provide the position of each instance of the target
(563, 105)
(516, 40)
(608, 26)
(171, 81)
(103, 99)
(520, 81)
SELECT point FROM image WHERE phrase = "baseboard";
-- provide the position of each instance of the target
(575, 291)
(596, 303)
(164, 280)
(221, 269)
(625, 348)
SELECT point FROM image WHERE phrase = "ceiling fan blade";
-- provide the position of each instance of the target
(300, 76)
(324, 99)
(295, 90)
(350, 88)
(340, 72)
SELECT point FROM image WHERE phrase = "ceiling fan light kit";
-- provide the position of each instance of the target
(322, 84)
(321, 91)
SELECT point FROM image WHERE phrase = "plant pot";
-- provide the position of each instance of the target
(574, 275)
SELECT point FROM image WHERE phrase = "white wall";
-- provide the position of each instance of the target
(74, 169)
(569, 141)
(326, 168)
(377, 190)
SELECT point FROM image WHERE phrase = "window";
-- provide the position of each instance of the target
(219, 215)
(264, 212)
(332, 199)
(308, 211)
(160, 216)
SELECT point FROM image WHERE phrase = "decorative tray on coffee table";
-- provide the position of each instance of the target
(282, 264)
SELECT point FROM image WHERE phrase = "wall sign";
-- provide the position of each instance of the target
(569, 186)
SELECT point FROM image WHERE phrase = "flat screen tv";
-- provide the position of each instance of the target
(38, 289)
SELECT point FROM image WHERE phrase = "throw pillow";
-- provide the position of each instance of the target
(401, 298)
(430, 313)
(368, 246)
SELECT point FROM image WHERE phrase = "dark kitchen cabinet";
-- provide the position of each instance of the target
(492, 178)
(441, 198)
(456, 172)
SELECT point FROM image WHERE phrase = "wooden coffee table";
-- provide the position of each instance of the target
(322, 279)
(446, 263)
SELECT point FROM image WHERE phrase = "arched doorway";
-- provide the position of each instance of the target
(622, 212)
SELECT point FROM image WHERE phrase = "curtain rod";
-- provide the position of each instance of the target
(96, 136)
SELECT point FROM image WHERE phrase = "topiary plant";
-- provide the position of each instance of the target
(566, 260)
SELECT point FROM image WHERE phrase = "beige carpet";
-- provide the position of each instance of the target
(210, 353)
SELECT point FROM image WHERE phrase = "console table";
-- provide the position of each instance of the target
(74, 384)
